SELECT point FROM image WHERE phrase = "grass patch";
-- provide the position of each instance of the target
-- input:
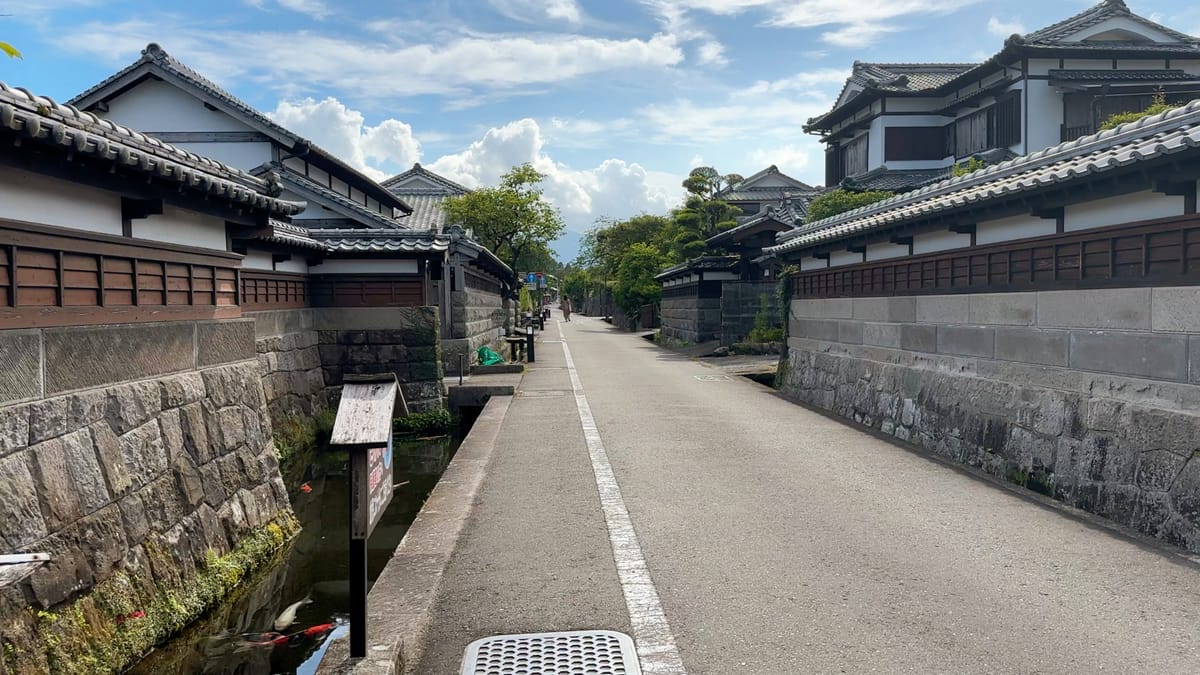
(126, 616)
(434, 421)
(297, 435)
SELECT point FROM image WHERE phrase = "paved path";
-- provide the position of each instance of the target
(781, 541)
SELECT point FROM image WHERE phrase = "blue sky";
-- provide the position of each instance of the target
(614, 99)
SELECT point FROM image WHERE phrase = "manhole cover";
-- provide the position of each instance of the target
(714, 378)
(541, 394)
(589, 652)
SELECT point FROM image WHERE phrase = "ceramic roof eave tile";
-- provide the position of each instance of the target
(701, 264)
(1152, 137)
(39, 120)
(155, 60)
(419, 171)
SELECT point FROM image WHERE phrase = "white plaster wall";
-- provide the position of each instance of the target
(911, 104)
(48, 201)
(1153, 64)
(154, 105)
(1017, 227)
(296, 264)
(931, 242)
(319, 176)
(179, 226)
(885, 251)
(353, 266)
(1121, 23)
(839, 258)
(875, 151)
(244, 156)
(1124, 209)
(807, 264)
(257, 260)
(339, 186)
(1045, 111)
(1087, 64)
(1042, 66)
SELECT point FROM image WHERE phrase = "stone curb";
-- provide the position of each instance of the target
(400, 604)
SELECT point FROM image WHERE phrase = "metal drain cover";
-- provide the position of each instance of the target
(587, 652)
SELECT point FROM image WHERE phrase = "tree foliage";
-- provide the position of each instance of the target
(706, 182)
(840, 201)
(514, 219)
(636, 285)
(1158, 105)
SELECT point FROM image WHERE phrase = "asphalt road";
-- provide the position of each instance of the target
(782, 541)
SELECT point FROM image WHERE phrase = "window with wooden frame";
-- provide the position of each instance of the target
(974, 133)
(1008, 119)
(913, 144)
(855, 155)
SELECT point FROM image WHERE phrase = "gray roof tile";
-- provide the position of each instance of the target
(376, 241)
(1173, 132)
(38, 120)
(894, 180)
(1171, 75)
(154, 59)
(1056, 34)
(337, 201)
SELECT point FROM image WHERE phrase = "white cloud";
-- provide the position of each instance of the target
(344, 133)
(317, 9)
(712, 53)
(303, 62)
(791, 159)
(615, 188)
(1001, 28)
(536, 10)
(854, 24)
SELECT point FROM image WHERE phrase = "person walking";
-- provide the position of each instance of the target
(566, 308)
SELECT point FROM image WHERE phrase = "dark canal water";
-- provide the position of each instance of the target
(314, 566)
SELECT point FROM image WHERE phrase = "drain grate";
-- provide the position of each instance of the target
(589, 652)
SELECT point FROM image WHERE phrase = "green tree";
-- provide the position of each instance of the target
(514, 219)
(840, 201)
(706, 182)
(635, 284)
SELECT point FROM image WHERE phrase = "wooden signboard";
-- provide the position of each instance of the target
(364, 427)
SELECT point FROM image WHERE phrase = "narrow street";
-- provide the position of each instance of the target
(781, 541)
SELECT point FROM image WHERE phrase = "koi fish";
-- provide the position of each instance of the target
(288, 616)
(313, 632)
(306, 488)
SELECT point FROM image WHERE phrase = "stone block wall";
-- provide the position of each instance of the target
(477, 319)
(400, 340)
(286, 343)
(127, 439)
(1088, 396)
(741, 302)
(691, 319)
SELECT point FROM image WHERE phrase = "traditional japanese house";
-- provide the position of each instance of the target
(899, 127)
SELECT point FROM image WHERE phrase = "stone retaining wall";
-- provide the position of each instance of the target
(129, 440)
(1086, 396)
(691, 319)
(401, 340)
(477, 319)
(286, 343)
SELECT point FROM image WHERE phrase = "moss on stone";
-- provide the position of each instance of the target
(126, 616)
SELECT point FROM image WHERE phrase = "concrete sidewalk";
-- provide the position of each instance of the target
(781, 541)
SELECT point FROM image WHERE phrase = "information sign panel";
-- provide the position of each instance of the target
(371, 487)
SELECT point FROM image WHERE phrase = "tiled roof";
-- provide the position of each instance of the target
(1170, 133)
(894, 180)
(426, 198)
(1057, 34)
(893, 78)
(784, 216)
(154, 59)
(711, 263)
(748, 183)
(376, 241)
(427, 211)
(417, 171)
(326, 197)
(1171, 75)
(37, 120)
(291, 234)
(462, 244)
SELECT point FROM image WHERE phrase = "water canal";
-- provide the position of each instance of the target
(314, 566)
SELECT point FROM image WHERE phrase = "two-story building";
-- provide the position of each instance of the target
(769, 188)
(899, 127)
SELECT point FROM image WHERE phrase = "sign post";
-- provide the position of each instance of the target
(364, 427)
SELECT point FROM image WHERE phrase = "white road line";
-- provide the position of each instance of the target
(655, 643)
